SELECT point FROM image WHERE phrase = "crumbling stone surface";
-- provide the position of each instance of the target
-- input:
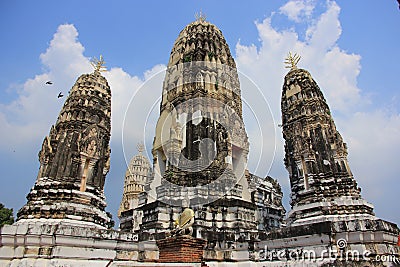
(322, 184)
(75, 158)
(200, 152)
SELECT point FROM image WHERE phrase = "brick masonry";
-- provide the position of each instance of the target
(181, 249)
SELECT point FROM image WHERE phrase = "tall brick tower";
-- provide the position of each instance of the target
(74, 158)
(323, 187)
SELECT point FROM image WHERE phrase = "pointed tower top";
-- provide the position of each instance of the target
(98, 64)
(200, 17)
(292, 60)
(140, 147)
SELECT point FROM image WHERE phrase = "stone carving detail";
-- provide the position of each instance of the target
(315, 154)
(267, 195)
(201, 102)
(44, 155)
(200, 150)
(75, 157)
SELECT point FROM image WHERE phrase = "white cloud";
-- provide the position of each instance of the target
(64, 57)
(372, 135)
(324, 34)
(123, 86)
(335, 70)
(297, 10)
(132, 101)
(373, 140)
(28, 118)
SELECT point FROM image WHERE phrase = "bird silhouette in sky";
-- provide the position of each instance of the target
(49, 82)
(60, 95)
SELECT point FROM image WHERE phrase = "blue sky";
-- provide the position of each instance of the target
(350, 48)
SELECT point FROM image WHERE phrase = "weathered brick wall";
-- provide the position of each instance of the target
(181, 249)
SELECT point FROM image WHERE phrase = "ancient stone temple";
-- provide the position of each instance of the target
(75, 158)
(197, 204)
(200, 151)
(323, 187)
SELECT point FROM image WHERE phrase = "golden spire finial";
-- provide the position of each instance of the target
(140, 147)
(200, 17)
(292, 60)
(98, 64)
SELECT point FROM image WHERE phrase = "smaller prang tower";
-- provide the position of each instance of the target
(75, 158)
(323, 187)
(137, 173)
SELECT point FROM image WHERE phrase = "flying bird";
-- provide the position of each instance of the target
(49, 82)
(60, 95)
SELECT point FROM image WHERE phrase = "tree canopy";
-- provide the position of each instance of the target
(6, 215)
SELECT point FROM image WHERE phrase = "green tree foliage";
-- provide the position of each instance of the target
(6, 215)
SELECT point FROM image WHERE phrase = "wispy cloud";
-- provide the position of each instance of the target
(27, 118)
(298, 10)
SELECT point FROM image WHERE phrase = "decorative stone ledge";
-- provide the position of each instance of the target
(68, 242)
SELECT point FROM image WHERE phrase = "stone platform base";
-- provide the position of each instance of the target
(46, 244)
(57, 245)
(90, 263)
(181, 249)
(343, 243)
(93, 263)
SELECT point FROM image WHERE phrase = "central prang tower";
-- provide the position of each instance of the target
(200, 149)
(200, 140)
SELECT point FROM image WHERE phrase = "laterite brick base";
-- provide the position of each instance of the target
(181, 249)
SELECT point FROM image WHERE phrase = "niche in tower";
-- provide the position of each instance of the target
(84, 175)
(161, 161)
(305, 173)
(238, 161)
